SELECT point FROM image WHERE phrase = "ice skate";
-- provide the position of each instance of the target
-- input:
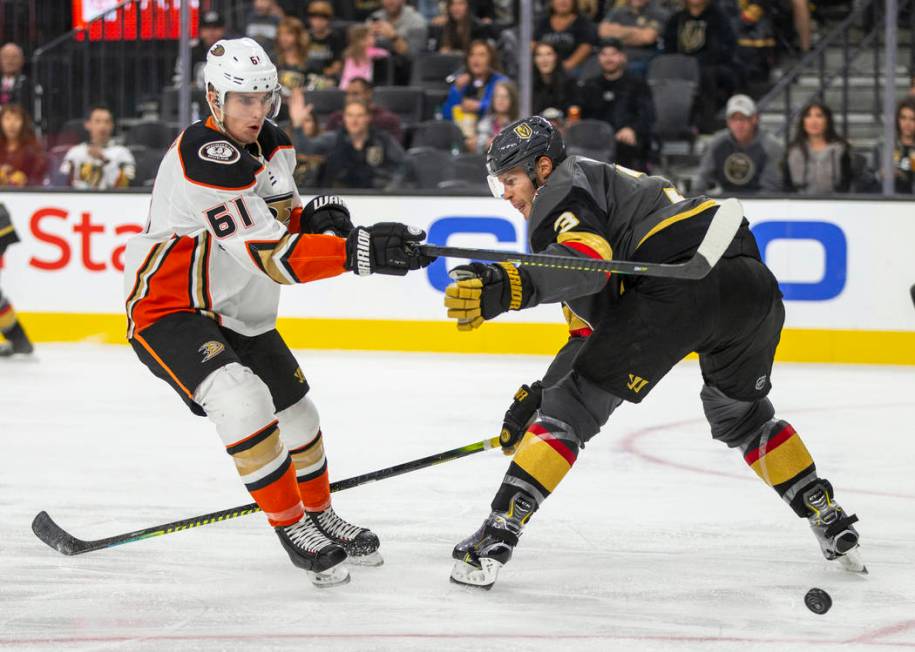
(833, 529)
(313, 552)
(18, 348)
(479, 557)
(361, 544)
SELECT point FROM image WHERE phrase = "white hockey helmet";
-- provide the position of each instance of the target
(241, 65)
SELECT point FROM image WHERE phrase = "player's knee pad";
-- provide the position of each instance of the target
(581, 404)
(236, 401)
(299, 423)
(732, 421)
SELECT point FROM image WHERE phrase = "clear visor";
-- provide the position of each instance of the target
(495, 186)
(253, 106)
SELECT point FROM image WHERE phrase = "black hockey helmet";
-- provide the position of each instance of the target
(520, 144)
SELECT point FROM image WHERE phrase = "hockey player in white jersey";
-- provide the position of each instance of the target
(226, 228)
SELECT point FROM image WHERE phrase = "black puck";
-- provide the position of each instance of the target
(818, 601)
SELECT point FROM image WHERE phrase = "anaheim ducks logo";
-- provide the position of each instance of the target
(218, 50)
(739, 169)
(211, 349)
(524, 131)
(692, 36)
(220, 151)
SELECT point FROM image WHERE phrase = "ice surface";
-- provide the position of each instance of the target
(660, 538)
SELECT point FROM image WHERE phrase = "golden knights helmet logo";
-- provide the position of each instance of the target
(524, 131)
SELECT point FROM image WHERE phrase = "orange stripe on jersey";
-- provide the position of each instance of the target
(309, 258)
(276, 149)
(145, 344)
(170, 288)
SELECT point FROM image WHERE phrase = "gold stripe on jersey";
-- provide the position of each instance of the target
(265, 254)
(151, 264)
(200, 272)
(575, 322)
(663, 224)
(590, 240)
(6, 230)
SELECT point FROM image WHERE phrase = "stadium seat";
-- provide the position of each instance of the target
(404, 101)
(72, 133)
(152, 134)
(433, 101)
(429, 166)
(56, 155)
(470, 168)
(674, 66)
(594, 135)
(325, 102)
(673, 103)
(168, 105)
(440, 134)
(431, 69)
(147, 161)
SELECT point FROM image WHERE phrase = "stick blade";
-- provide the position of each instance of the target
(55, 536)
(721, 232)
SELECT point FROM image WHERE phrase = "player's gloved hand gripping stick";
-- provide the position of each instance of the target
(720, 233)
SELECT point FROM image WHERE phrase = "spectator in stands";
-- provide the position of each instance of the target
(326, 44)
(624, 102)
(470, 95)
(743, 158)
(262, 23)
(360, 55)
(99, 164)
(212, 27)
(755, 35)
(703, 31)
(361, 89)
(904, 149)
(818, 161)
(556, 118)
(292, 53)
(572, 34)
(457, 27)
(311, 145)
(399, 28)
(22, 159)
(503, 111)
(638, 24)
(14, 86)
(552, 86)
(362, 156)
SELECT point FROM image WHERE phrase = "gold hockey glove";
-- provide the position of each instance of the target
(482, 292)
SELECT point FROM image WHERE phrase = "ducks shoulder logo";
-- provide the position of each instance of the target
(211, 349)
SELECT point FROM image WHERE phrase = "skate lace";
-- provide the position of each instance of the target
(826, 511)
(306, 536)
(336, 527)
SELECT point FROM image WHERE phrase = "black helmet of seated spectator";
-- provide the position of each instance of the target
(521, 144)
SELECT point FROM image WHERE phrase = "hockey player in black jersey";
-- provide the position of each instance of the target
(16, 342)
(626, 333)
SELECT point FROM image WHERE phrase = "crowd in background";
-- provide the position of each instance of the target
(592, 61)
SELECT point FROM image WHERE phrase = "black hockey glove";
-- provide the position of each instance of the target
(385, 248)
(326, 214)
(482, 292)
(519, 416)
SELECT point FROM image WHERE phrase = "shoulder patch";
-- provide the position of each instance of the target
(209, 159)
(220, 151)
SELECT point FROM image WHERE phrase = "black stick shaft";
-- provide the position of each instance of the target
(59, 539)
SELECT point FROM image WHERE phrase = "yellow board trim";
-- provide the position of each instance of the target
(677, 218)
(797, 345)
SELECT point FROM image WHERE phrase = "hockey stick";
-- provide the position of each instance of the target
(64, 542)
(719, 235)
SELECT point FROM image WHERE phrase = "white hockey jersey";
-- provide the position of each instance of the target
(216, 241)
(116, 168)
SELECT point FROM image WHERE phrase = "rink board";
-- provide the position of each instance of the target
(845, 268)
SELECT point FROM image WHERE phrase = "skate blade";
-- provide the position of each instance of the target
(373, 559)
(481, 578)
(853, 562)
(333, 576)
